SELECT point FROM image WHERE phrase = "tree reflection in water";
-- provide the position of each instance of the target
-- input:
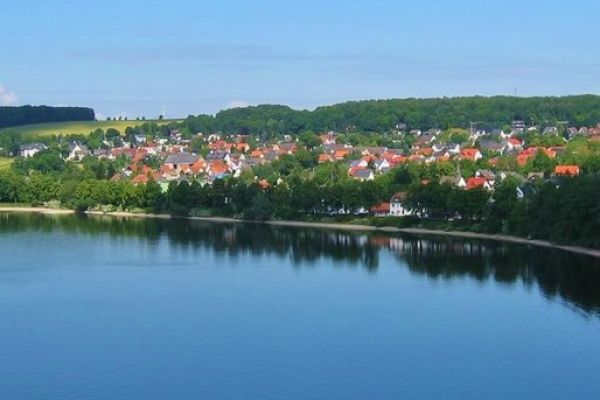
(563, 276)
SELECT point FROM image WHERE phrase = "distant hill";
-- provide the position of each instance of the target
(15, 116)
(384, 115)
(35, 131)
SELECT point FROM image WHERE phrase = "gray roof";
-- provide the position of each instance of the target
(33, 146)
(491, 145)
(182, 158)
(363, 173)
(450, 180)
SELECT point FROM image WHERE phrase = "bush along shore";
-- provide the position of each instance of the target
(564, 210)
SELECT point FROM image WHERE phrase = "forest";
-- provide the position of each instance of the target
(25, 115)
(387, 115)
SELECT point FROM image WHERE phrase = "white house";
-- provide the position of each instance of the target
(31, 149)
(397, 205)
(77, 151)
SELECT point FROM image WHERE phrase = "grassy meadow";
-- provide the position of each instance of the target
(74, 127)
(5, 163)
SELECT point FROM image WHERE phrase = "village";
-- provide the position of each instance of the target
(495, 153)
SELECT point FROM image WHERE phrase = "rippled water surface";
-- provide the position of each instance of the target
(94, 308)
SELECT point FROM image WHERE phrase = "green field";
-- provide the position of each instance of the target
(5, 163)
(71, 128)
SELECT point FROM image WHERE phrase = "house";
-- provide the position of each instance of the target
(514, 143)
(518, 125)
(31, 149)
(492, 146)
(382, 165)
(566, 170)
(325, 158)
(373, 151)
(550, 130)
(478, 182)
(485, 173)
(139, 139)
(217, 170)
(101, 154)
(181, 161)
(328, 138)
(424, 140)
(77, 151)
(526, 154)
(456, 180)
(360, 163)
(398, 205)
(362, 174)
(526, 190)
(594, 131)
(381, 210)
(471, 154)
(340, 154)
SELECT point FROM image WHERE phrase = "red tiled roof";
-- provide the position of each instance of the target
(567, 170)
(381, 208)
(475, 182)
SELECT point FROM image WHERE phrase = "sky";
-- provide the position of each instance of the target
(144, 58)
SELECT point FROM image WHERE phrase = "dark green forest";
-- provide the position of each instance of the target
(24, 115)
(359, 116)
(385, 115)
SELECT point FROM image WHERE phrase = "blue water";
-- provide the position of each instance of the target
(108, 309)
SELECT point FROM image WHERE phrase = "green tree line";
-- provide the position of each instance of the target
(24, 115)
(385, 115)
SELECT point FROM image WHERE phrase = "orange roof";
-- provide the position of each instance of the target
(551, 153)
(398, 159)
(426, 151)
(339, 154)
(571, 170)
(324, 157)
(140, 179)
(493, 161)
(264, 184)
(469, 153)
(166, 169)
(475, 182)
(198, 166)
(242, 146)
(140, 154)
(256, 153)
(218, 168)
(381, 208)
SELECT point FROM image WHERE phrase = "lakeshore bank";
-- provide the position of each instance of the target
(323, 225)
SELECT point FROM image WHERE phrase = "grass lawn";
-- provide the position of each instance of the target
(77, 127)
(5, 163)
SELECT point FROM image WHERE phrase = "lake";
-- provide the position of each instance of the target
(106, 308)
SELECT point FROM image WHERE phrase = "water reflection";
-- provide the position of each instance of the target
(572, 279)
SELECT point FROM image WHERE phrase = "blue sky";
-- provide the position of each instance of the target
(141, 57)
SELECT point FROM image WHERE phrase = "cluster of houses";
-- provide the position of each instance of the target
(229, 156)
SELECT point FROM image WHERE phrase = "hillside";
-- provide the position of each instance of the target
(384, 115)
(70, 128)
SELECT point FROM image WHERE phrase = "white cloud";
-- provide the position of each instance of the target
(7, 97)
(237, 104)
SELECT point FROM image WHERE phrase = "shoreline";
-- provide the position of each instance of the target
(324, 225)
